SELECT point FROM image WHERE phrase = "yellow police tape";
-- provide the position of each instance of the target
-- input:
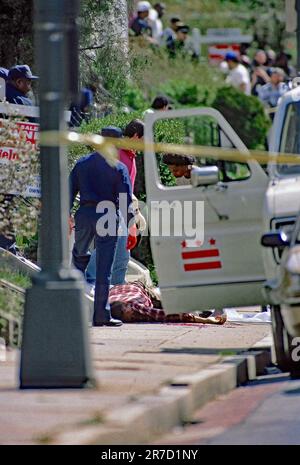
(107, 147)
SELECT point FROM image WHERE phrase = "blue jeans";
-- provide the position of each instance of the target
(120, 263)
(85, 231)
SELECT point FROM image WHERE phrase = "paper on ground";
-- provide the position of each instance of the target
(234, 315)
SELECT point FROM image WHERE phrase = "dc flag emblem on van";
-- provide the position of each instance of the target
(201, 257)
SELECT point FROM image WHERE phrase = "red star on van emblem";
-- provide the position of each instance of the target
(212, 241)
(183, 244)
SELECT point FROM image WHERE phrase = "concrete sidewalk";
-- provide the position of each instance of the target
(150, 377)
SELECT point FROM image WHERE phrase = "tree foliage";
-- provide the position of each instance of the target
(16, 32)
(104, 45)
(246, 115)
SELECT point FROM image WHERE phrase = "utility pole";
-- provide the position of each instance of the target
(55, 345)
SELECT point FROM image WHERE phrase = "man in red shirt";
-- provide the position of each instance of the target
(135, 131)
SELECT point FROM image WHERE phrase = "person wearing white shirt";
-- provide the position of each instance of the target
(238, 75)
(155, 15)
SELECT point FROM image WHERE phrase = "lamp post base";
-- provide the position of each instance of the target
(55, 347)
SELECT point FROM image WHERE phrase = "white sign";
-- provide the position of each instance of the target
(10, 155)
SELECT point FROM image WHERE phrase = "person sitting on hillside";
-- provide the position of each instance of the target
(155, 15)
(183, 44)
(260, 74)
(271, 92)
(80, 110)
(238, 75)
(282, 61)
(140, 25)
(160, 103)
(169, 34)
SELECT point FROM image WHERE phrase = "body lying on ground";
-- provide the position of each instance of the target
(134, 303)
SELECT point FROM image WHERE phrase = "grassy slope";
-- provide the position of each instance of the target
(207, 13)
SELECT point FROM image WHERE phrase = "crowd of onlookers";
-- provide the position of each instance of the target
(147, 22)
(268, 76)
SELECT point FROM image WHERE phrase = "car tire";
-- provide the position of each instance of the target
(283, 344)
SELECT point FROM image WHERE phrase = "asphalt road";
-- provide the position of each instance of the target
(264, 412)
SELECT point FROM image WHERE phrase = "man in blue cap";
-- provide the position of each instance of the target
(238, 75)
(122, 255)
(18, 85)
(100, 186)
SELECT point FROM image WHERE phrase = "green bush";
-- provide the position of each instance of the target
(134, 98)
(188, 93)
(246, 115)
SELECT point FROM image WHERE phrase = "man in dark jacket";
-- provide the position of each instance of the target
(100, 186)
(18, 85)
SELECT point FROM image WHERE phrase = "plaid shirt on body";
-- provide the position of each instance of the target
(137, 306)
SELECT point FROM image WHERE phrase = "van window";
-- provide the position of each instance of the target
(290, 137)
(196, 130)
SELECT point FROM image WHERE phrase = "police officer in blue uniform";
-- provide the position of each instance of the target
(97, 181)
(18, 84)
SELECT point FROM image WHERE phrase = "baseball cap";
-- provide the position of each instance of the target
(279, 71)
(231, 56)
(20, 71)
(112, 131)
(143, 6)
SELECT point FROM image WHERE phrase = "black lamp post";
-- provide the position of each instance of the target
(55, 346)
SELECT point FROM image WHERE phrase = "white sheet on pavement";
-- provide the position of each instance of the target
(253, 317)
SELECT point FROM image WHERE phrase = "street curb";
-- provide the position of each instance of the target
(151, 416)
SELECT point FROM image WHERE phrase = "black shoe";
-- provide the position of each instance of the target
(111, 322)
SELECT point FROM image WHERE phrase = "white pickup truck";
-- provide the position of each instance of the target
(282, 203)
(229, 268)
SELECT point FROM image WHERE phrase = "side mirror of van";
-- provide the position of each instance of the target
(204, 176)
(275, 239)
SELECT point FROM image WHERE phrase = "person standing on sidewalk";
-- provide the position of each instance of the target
(134, 130)
(98, 182)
